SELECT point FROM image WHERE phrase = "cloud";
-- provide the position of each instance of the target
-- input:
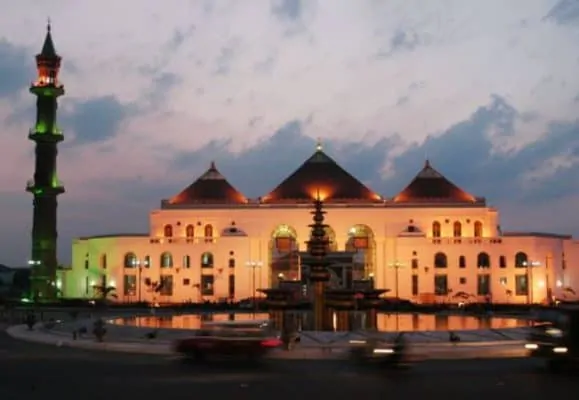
(16, 70)
(287, 9)
(565, 12)
(94, 120)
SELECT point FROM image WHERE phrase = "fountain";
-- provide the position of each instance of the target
(326, 302)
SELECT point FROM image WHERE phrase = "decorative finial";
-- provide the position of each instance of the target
(48, 24)
(318, 195)
(212, 166)
(319, 144)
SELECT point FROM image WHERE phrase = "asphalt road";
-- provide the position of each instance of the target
(28, 371)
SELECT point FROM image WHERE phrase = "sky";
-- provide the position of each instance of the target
(488, 90)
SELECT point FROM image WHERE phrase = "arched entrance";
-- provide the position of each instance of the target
(284, 255)
(361, 241)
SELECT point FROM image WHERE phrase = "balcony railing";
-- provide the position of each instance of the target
(54, 132)
(31, 184)
(466, 240)
(190, 240)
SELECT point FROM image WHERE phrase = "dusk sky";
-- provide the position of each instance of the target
(488, 90)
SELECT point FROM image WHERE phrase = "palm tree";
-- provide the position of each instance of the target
(104, 292)
(154, 287)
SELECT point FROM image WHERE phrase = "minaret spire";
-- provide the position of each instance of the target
(319, 146)
(45, 186)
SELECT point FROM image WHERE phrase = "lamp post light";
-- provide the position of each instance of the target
(529, 265)
(253, 265)
(396, 265)
(140, 264)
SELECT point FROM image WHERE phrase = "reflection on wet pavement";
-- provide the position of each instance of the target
(386, 322)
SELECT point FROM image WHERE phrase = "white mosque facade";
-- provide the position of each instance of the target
(433, 242)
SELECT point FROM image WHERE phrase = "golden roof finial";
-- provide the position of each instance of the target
(319, 144)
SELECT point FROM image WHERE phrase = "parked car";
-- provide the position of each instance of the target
(229, 340)
(556, 338)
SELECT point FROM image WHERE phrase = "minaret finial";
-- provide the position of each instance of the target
(48, 24)
(319, 144)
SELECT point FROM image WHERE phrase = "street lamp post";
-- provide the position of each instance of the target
(396, 265)
(530, 265)
(253, 265)
(139, 278)
(140, 264)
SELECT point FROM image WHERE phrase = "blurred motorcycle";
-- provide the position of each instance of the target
(373, 351)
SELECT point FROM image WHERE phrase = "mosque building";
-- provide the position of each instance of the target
(432, 242)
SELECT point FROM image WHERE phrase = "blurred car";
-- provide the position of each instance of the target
(556, 338)
(250, 340)
(380, 353)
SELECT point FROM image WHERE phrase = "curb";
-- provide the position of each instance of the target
(21, 332)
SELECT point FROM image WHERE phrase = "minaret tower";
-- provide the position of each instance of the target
(45, 187)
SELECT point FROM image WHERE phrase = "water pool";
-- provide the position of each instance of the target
(408, 322)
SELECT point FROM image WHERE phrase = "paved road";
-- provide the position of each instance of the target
(29, 370)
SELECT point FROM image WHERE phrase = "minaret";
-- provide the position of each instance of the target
(319, 274)
(45, 187)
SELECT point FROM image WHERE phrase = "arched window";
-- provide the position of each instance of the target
(168, 231)
(147, 262)
(462, 262)
(478, 229)
(457, 229)
(440, 260)
(207, 260)
(502, 262)
(186, 261)
(208, 231)
(521, 260)
(232, 263)
(190, 231)
(166, 260)
(103, 261)
(130, 260)
(436, 229)
(483, 260)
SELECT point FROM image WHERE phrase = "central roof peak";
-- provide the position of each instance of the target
(321, 177)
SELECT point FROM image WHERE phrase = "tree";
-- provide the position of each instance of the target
(154, 287)
(103, 292)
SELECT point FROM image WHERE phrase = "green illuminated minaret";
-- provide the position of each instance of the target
(45, 186)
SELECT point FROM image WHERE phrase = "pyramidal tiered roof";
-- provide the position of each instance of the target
(209, 188)
(431, 186)
(320, 176)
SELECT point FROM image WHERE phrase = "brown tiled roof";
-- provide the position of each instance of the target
(320, 175)
(431, 186)
(210, 188)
